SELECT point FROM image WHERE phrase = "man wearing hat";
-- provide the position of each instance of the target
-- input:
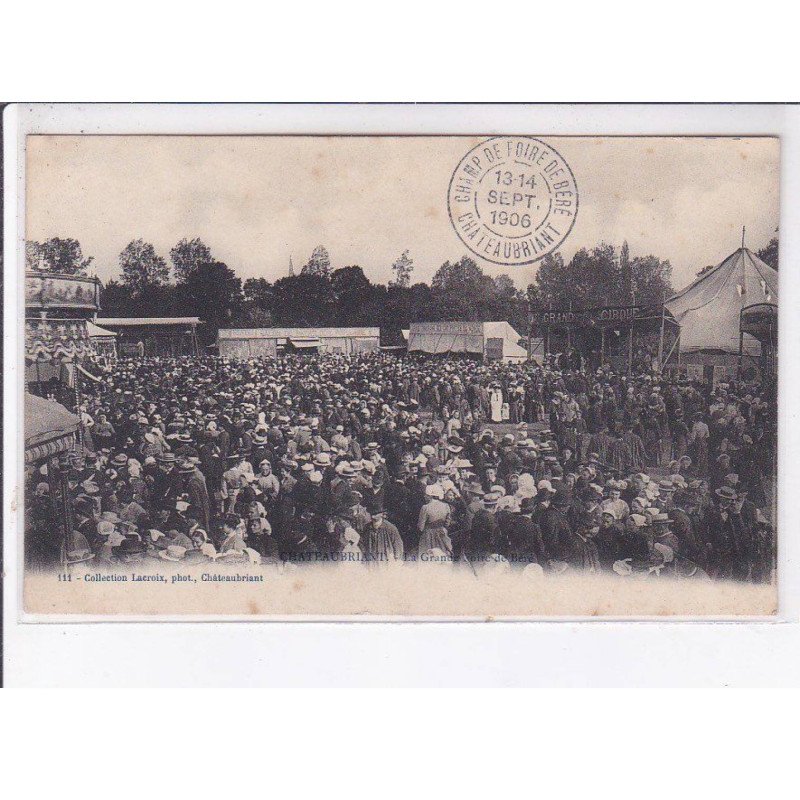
(608, 539)
(727, 538)
(400, 508)
(381, 541)
(525, 545)
(167, 483)
(555, 529)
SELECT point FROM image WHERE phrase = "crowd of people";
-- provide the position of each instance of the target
(378, 459)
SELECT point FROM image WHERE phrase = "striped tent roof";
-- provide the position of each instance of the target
(49, 428)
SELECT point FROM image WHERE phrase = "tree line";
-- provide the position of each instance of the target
(194, 283)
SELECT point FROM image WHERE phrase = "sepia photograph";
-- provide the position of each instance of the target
(400, 377)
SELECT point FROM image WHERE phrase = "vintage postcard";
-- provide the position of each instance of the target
(400, 377)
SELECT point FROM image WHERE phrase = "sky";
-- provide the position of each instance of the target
(256, 201)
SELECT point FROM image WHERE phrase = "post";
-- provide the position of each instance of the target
(630, 350)
(661, 335)
(741, 349)
(66, 507)
(78, 403)
(569, 332)
(602, 346)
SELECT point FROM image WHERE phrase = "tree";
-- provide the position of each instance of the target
(652, 280)
(769, 253)
(533, 296)
(33, 256)
(319, 263)
(62, 256)
(463, 275)
(258, 291)
(187, 255)
(303, 300)
(353, 295)
(402, 268)
(504, 286)
(214, 293)
(256, 309)
(597, 277)
(142, 267)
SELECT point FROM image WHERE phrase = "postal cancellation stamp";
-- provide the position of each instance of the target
(512, 200)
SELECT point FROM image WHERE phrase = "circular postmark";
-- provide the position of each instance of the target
(512, 200)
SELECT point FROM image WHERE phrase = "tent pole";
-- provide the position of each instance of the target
(661, 335)
(602, 347)
(741, 349)
(630, 350)
(674, 345)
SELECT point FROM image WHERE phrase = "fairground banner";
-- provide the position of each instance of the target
(61, 291)
(594, 317)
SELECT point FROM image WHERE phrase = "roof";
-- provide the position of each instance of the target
(122, 322)
(46, 420)
(709, 309)
(96, 332)
(299, 333)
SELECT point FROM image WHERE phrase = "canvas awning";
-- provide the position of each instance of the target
(96, 332)
(305, 343)
(49, 428)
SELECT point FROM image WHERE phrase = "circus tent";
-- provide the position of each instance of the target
(709, 309)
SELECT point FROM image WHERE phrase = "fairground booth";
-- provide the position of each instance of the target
(489, 341)
(729, 320)
(164, 337)
(629, 338)
(58, 343)
(58, 350)
(257, 342)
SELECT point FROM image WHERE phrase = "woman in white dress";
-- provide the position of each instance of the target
(496, 404)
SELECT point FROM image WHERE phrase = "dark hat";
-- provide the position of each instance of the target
(375, 506)
(167, 458)
(561, 498)
(527, 505)
(129, 546)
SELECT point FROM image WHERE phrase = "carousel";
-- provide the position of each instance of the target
(58, 348)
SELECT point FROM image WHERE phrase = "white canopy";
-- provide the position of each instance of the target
(494, 340)
(96, 332)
